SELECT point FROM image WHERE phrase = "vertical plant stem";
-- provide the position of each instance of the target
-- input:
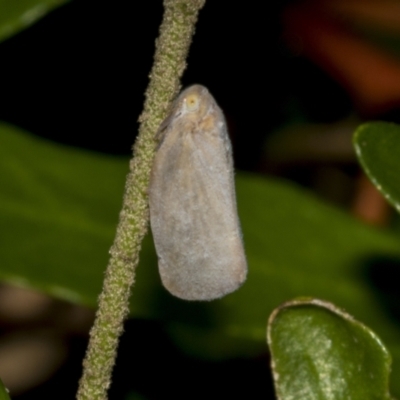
(172, 47)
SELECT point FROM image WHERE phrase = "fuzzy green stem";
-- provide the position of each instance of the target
(172, 47)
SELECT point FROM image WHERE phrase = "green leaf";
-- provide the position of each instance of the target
(58, 212)
(3, 392)
(377, 146)
(320, 352)
(16, 15)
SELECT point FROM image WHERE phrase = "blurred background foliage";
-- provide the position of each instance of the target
(294, 83)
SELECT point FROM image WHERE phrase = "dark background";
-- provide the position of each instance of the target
(78, 77)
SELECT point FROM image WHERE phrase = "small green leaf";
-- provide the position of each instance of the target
(377, 146)
(16, 15)
(3, 392)
(320, 352)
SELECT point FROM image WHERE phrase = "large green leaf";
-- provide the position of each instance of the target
(16, 15)
(320, 352)
(59, 209)
(377, 146)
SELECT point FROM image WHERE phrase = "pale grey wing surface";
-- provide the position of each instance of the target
(200, 249)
